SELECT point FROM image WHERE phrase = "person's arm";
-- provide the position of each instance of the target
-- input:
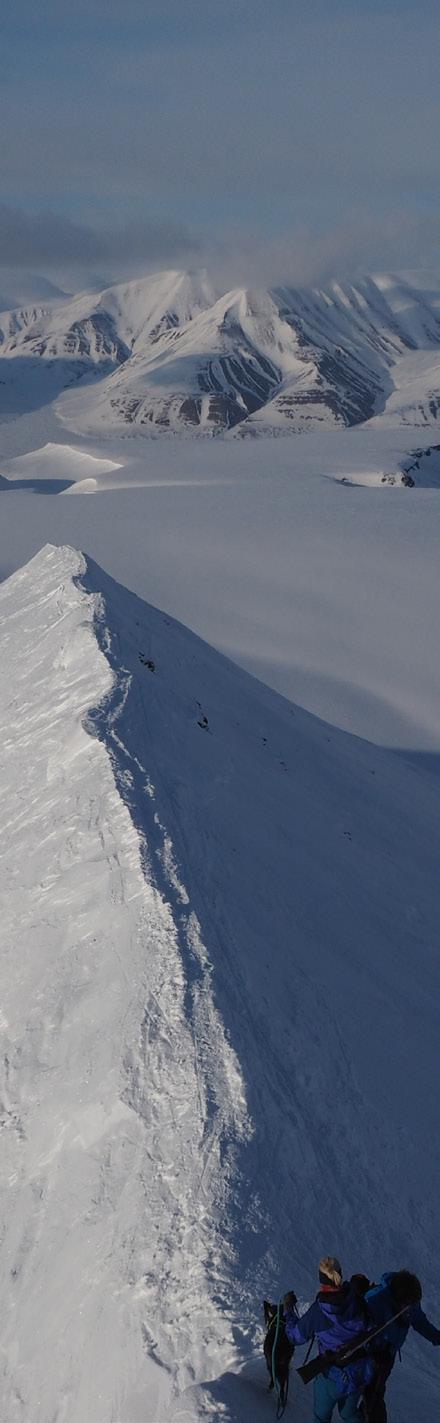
(299, 1331)
(422, 1325)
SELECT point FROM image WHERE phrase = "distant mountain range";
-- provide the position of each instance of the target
(167, 354)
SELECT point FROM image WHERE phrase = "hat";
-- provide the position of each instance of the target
(405, 1288)
(330, 1271)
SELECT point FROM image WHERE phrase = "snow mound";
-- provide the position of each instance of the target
(82, 486)
(57, 462)
(217, 951)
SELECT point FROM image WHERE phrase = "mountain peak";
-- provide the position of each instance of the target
(168, 354)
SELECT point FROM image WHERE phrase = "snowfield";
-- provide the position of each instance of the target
(219, 1013)
(325, 591)
(219, 833)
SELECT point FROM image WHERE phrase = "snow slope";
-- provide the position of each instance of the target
(112, 1126)
(166, 354)
(46, 347)
(265, 549)
(415, 400)
(219, 1021)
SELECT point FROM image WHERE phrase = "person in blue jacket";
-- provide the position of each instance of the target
(336, 1318)
(396, 1291)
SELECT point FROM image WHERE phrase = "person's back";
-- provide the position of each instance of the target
(336, 1318)
(398, 1294)
(394, 1307)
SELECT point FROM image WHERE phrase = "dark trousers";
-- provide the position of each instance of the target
(375, 1408)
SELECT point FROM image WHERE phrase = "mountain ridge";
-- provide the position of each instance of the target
(166, 354)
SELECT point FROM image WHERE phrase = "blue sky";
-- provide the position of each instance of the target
(285, 140)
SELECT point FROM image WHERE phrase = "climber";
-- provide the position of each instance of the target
(335, 1319)
(396, 1291)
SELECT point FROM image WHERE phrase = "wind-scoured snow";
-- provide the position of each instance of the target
(219, 1024)
(120, 1096)
(166, 354)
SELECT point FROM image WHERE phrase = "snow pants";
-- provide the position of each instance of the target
(375, 1409)
(326, 1399)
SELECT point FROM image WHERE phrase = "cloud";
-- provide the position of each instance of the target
(74, 252)
(361, 244)
(48, 242)
(333, 102)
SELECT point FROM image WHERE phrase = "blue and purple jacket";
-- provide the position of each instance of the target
(335, 1318)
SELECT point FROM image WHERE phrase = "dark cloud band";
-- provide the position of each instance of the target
(48, 240)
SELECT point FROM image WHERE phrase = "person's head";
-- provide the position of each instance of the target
(330, 1272)
(405, 1289)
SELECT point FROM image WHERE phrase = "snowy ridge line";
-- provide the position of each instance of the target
(157, 856)
(115, 1107)
(220, 1117)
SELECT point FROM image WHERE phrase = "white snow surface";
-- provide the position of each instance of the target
(219, 1015)
(218, 943)
(325, 591)
(113, 1111)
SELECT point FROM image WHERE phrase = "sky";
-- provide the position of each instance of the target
(274, 142)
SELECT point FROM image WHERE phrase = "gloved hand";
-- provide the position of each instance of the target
(289, 1301)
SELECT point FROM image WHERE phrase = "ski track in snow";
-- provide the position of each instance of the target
(111, 1134)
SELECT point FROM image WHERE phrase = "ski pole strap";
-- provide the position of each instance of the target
(312, 1341)
(274, 1348)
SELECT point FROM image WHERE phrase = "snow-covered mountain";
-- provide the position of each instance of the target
(219, 1012)
(19, 288)
(108, 324)
(166, 354)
